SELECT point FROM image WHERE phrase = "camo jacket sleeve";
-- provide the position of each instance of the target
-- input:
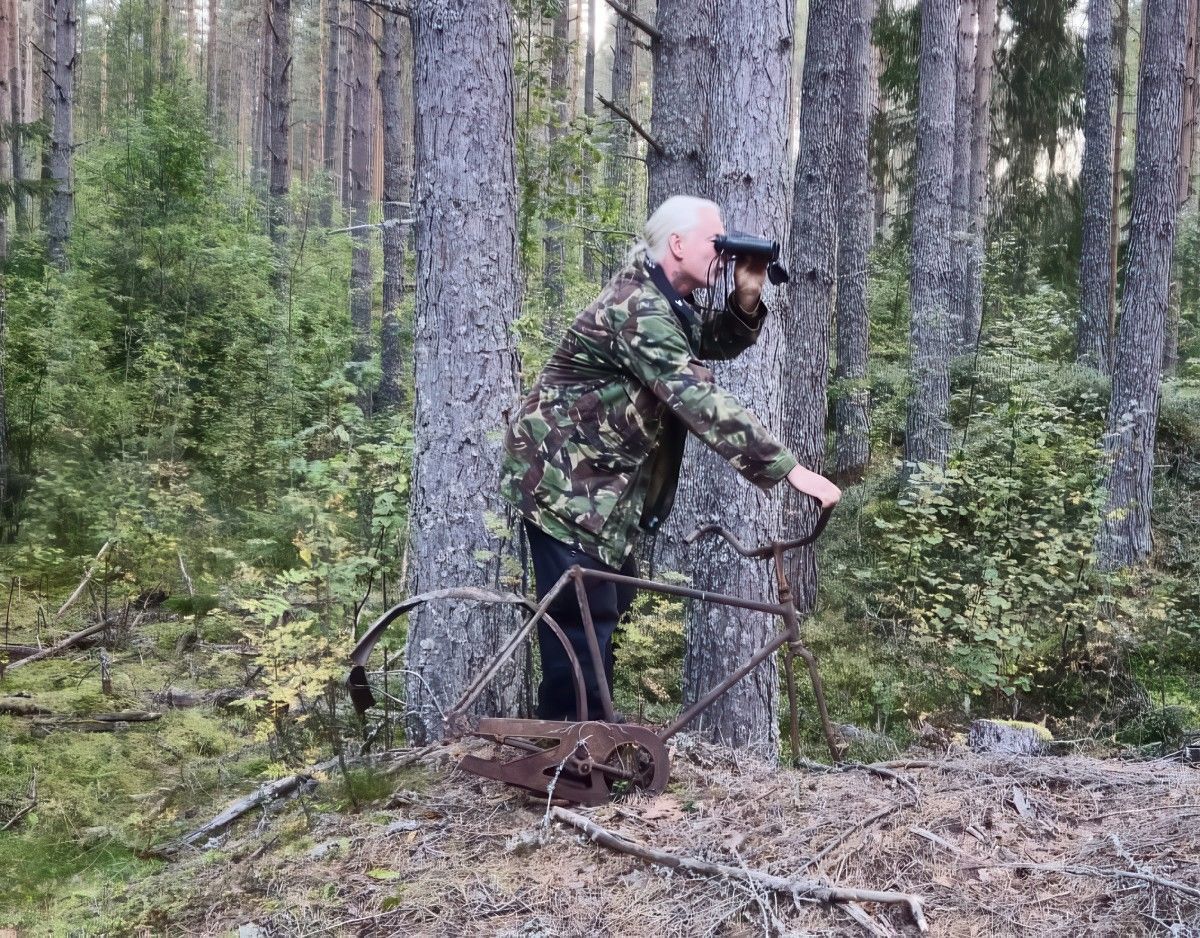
(731, 331)
(650, 344)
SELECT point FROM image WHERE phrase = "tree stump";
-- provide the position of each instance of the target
(1008, 737)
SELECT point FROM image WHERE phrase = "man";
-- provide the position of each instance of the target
(593, 453)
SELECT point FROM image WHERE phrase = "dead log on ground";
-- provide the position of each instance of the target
(272, 791)
(799, 889)
(87, 577)
(21, 707)
(175, 698)
(17, 652)
(69, 642)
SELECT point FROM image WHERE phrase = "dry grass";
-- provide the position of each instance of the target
(964, 832)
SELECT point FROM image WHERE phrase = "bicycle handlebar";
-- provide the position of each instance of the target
(767, 550)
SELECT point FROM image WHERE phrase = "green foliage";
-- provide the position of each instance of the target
(649, 655)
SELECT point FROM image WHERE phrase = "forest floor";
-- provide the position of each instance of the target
(409, 844)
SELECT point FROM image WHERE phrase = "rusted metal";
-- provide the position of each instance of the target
(587, 762)
(581, 763)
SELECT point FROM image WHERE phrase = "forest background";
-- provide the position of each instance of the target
(274, 272)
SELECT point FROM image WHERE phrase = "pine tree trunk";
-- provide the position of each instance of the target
(396, 187)
(266, 124)
(463, 353)
(210, 77)
(1095, 181)
(331, 86)
(1125, 536)
(58, 223)
(1121, 41)
(589, 109)
(45, 70)
(619, 176)
(981, 146)
(361, 118)
(683, 63)
(9, 73)
(554, 248)
(279, 28)
(814, 260)
(854, 207)
(748, 178)
(928, 430)
(15, 107)
(1187, 134)
(964, 112)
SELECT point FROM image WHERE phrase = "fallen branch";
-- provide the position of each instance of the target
(175, 699)
(84, 582)
(632, 122)
(627, 14)
(99, 722)
(797, 888)
(883, 812)
(17, 652)
(68, 642)
(1072, 870)
(21, 707)
(265, 794)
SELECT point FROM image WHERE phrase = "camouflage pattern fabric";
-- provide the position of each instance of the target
(603, 425)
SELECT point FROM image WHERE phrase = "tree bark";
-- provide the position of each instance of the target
(279, 28)
(211, 72)
(553, 245)
(854, 207)
(981, 147)
(58, 224)
(748, 178)
(463, 352)
(1187, 135)
(361, 118)
(1121, 40)
(43, 67)
(396, 187)
(589, 110)
(329, 106)
(683, 63)
(1095, 270)
(19, 107)
(1124, 537)
(927, 440)
(964, 112)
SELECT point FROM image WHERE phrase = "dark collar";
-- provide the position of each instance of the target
(687, 314)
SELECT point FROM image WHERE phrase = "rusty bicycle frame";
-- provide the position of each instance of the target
(578, 741)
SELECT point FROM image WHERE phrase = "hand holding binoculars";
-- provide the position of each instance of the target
(737, 244)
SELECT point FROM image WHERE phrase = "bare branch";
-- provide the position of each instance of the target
(625, 13)
(632, 121)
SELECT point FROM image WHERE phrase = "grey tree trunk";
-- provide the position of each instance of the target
(748, 178)
(211, 72)
(589, 109)
(855, 214)
(1095, 262)
(1187, 134)
(329, 106)
(619, 171)
(964, 112)
(58, 222)
(1124, 537)
(1121, 41)
(814, 261)
(44, 69)
(262, 164)
(362, 117)
(927, 439)
(396, 187)
(683, 63)
(980, 192)
(554, 247)
(463, 353)
(279, 28)
(19, 108)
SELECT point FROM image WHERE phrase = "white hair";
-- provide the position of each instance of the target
(677, 215)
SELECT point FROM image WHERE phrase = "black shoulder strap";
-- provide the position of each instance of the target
(684, 311)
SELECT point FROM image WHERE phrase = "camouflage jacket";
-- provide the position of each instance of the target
(593, 451)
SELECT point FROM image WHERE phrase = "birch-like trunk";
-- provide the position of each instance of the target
(62, 84)
(362, 71)
(980, 191)
(279, 28)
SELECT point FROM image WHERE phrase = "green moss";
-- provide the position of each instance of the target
(1042, 733)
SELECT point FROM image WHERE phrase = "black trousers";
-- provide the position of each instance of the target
(607, 603)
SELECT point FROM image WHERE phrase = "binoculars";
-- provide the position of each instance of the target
(736, 244)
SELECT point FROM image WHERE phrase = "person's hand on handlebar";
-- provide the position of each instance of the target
(820, 488)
